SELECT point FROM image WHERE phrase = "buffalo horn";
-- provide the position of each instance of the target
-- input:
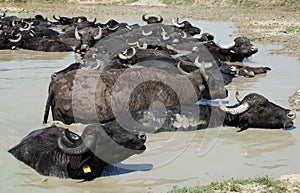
(27, 27)
(124, 55)
(234, 111)
(144, 17)
(77, 36)
(227, 46)
(128, 27)
(3, 15)
(160, 19)
(164, 34)
(113, 28)
(142, 47)
(16, 40)
(202, 67)
(80, 149)
(55, 18)
(97, 37)
(13, 23)
(180, 69)
(146, 34)
(176, 23)
(237, 96)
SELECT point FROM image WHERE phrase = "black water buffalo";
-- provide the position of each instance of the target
(238, 50)
(152, 19)
(87, 40)
(254, 111)
(56, 151)
(145, 86)
(249, 71)
(68, 21)
(186, 26)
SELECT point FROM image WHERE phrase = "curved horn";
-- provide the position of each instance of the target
(184, 34)
(205, 65)
(77, 36)
(99, 64)
(13, 23)
(160, 19)
(202, 68)
(113, 28)
(237, 96)
(164, 34)
(126, 57)
(144, 17)
(227, 46)
(234, 111)
(97, 37)
(131, 43)
(147, 34)
(180, 69)
(69, 138)
(142, 47)
(55, 18)
(79, 150)
(26, 28)
(16, 40)
(3, 15)
(176, 23)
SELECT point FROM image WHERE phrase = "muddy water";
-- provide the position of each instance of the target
(171, 159)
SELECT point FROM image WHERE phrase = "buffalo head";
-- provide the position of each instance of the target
(239, 49)
(152, 19)
(187, 27)
(258, 112)
(56, 151)
(86, 40)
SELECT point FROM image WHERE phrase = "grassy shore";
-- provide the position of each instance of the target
(258, 185)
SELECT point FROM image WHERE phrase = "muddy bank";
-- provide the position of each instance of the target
(262, 24)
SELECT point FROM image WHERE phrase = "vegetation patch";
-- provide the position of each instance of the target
(292, 29)
(261, 184)
(177, 2)
(244, 3)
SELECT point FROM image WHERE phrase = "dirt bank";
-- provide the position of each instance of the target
(261, 22)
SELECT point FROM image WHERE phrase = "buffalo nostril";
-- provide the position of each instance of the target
(53, 76)
(142, 136)
(291, 115)
(254, 49)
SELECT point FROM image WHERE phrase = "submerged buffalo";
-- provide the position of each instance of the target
(56, 151)
(254, 111)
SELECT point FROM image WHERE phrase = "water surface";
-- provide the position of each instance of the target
(177, 159)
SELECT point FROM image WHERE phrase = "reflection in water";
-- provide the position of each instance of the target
(256, 142)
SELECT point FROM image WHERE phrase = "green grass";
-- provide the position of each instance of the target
(293, 29)
(266, 184)
(244, 3)
(177, 2)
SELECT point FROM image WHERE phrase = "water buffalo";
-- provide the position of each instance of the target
(87, 40)
(254, 111)
(152, 19)
(99, 88)
(186, 26)
(56, 151)
(238, 50)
